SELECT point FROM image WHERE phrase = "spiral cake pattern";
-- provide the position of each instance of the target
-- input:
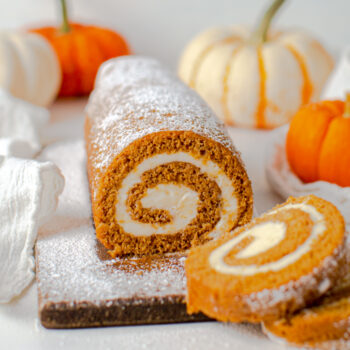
(272, 267)
(164, 175)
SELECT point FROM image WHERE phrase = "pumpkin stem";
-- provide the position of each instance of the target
(65, 28)
(259, 35)
(347, 106)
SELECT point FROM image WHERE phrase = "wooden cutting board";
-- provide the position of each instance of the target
(79, 285)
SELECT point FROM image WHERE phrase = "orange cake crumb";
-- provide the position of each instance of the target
(147, 134)
(271, 267)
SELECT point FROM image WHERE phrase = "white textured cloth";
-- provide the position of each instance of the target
(10, 147)
(339, 82)
(21, 125)
(286, 183)
(29, 193)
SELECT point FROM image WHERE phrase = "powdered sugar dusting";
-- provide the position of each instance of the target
(73, 267)
(136, 96)
(295, 290)
(336, 297)
(70, 270)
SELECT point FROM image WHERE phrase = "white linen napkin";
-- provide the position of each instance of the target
(21, 125)
(284, 182)
(339, 82)
(29, 191)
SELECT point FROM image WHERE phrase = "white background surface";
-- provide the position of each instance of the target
(160, 28)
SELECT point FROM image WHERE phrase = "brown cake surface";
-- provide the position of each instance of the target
(149, 138)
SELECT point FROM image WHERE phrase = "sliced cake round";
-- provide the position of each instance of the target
(325, 325)
(271, 267)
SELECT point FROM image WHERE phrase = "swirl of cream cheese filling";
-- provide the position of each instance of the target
(178, 199)
(266, 236)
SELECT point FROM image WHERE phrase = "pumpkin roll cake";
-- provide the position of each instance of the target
(271, 267)
(325, 325)
(164, 175)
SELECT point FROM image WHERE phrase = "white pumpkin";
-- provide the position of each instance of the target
(29, 68)
(255, 81)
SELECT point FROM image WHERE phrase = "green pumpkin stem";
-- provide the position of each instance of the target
(259, 35)
(65, 28)
(347, 106)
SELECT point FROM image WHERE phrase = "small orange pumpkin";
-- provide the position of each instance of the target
(318, 142)
(81, 49)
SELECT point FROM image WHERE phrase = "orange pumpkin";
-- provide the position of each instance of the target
(318, 142)
(81, 49)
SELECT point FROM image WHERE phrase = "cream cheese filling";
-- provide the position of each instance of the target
(178, 199)
(266, 236)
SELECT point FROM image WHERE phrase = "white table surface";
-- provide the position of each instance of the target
(20, 326)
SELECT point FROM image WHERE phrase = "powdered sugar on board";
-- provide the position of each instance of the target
(73, 267)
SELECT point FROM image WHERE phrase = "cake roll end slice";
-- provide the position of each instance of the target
(323, 325)
(271, 267)
(168, 192)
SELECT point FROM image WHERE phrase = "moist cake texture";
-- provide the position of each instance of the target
(323, 325)
(164, 175)
(270, 268)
